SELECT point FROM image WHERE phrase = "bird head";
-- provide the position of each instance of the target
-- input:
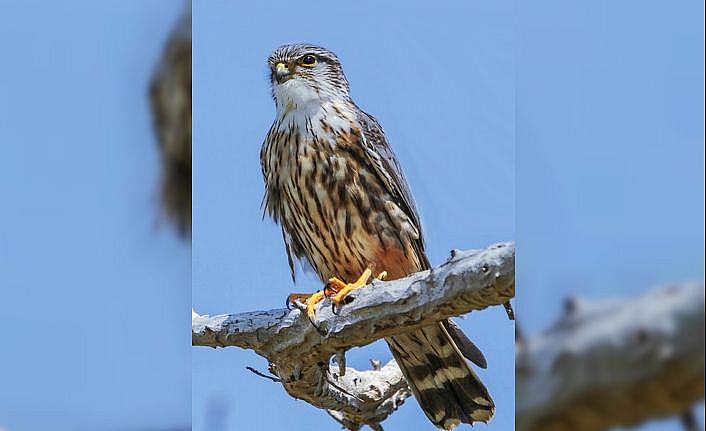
(302, 74)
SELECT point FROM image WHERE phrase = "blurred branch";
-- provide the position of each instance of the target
(170, 96)
(616, 363)
(299, 352)
(688, 420)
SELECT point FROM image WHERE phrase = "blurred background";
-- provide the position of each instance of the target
(440, 78)
(94, 284)
(610, 154)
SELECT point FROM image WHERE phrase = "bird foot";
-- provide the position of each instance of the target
(336, 289)
(306, 301)
(339, 290)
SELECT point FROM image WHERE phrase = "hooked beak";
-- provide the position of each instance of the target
(282, 73)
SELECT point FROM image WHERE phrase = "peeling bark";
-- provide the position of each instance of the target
(299, 353)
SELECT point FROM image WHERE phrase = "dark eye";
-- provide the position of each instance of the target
(308, 60)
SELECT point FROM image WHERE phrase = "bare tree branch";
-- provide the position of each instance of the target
(616, 363)
(300, 355)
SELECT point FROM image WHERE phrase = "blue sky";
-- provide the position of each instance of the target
(95, 291)
(441, 82)
(610, 150)
(575, 128)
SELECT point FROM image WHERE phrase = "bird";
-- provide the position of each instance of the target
(338, 192)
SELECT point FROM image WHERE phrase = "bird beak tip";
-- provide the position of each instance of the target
(281, 72)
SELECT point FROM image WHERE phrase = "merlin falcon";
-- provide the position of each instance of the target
(338, 192)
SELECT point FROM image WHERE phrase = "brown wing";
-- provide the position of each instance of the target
(390, 172)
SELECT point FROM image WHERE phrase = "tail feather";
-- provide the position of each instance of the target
(446, 388)
(469, 350)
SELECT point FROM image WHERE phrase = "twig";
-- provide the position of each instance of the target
(261, 374)
(508, 309)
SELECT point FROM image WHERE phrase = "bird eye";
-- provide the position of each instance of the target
(308, 60)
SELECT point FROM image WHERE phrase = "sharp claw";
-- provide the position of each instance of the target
(338, 292)
(345, 301)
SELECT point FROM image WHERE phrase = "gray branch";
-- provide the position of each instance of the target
(299, 353)
(614, 363)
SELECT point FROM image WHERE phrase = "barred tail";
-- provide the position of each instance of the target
(446, 388)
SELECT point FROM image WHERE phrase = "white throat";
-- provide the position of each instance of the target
(302, 106)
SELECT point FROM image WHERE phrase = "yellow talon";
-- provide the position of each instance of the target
(342, 289)
(336, 289)
(311, 303)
